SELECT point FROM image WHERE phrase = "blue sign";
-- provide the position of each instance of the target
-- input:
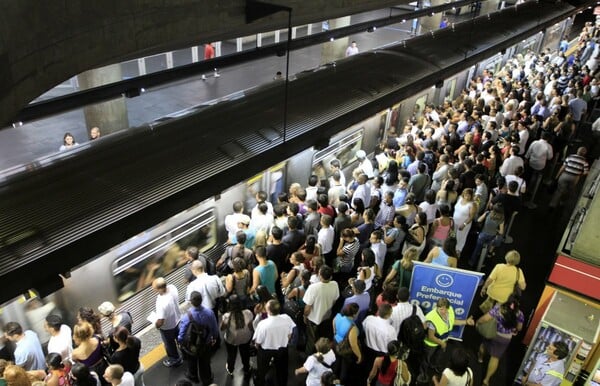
(430, 282)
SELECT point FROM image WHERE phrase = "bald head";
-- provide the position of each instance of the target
(197, 266)
(159, 284)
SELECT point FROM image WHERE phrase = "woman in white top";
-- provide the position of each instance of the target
(464, 214)
(318, 363)
(458, 373)
(368, 268)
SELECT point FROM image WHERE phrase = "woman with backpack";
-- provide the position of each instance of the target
(239, 282)
(238, 330)
(390, 369)
(318, 363)
(401, 271)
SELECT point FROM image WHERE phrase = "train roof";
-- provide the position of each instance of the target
(65, 209)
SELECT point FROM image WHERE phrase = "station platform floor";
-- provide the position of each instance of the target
(536, 234)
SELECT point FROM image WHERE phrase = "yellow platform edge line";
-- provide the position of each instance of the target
(153, 356)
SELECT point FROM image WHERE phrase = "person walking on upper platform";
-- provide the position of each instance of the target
(569, 174)
(352, 49)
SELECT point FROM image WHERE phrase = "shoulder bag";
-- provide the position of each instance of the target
(488, 329)
(516, 289)
(344, 349)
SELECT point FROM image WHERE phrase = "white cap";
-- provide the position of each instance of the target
(361, 154)
(106, 308)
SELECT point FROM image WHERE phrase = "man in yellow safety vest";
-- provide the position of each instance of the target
(439, 322)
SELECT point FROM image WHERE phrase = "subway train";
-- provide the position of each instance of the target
(96, 207)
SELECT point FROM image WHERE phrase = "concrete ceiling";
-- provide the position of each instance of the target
(44, 43)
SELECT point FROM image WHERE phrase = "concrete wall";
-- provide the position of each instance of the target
(43, 43)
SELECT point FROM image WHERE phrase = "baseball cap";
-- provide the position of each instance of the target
(106, 308)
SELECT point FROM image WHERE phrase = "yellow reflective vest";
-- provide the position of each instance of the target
(442, 327)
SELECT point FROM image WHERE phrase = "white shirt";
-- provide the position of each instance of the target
(316, 368)
(367, 167)
(523, 138)
(539, 153)
(255, 212)
(274, 332)
(325, 239)
(209, 286)
(311, 193)
(378, 333)
(510, 165)
(62, 343)
(351, 51)
(231, 223)
(261, 222)
(167, 308)
(127, 379)
(321, 296)
(402, 311)
(379, 249)
(363, 191)
(521, 182)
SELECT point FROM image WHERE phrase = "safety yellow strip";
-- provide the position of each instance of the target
(153, 356)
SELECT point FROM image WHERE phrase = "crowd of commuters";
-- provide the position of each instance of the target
(326, 269)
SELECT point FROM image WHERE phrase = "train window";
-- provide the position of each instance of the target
(344, 150)
(138, 268)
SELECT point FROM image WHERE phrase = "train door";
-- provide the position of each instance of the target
(271, 181)
(450, 89)
(343, 149)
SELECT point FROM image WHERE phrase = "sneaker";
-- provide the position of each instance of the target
(228, 371)
(217, 73)
(203, 77)
(172, 363)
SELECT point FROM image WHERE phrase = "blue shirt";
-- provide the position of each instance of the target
(28, 353)
(203, 316)
(363, 300)
(342, 327)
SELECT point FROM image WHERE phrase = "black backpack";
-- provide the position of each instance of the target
(412, 332)
(195, 339)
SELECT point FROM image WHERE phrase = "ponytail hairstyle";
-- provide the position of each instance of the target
(510, 311)
(393, 349)
(122, 335)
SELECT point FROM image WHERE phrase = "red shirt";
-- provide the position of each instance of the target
(209, 51)
(327, 210)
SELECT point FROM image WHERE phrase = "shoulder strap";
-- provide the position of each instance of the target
(190, 317)
(321, 361)
(414, 310)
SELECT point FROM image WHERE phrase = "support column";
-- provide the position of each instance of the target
(110, 116)
(335, 50)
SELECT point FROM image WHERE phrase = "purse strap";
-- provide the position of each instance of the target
(517, 281)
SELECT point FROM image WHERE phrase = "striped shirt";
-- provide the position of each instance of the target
(576, 165)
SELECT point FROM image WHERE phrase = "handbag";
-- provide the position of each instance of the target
(516, 289)
(487, 329)
(343, 348)
(292, 308)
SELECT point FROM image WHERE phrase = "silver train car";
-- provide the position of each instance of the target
(377, 89)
